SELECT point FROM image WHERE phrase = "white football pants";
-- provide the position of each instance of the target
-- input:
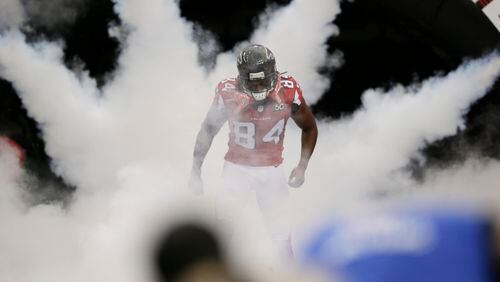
(268, 186)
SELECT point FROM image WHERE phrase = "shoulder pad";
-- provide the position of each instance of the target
(229, 84)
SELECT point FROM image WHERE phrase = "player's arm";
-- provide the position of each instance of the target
(215, 118)
(304, 118)
(213, 122)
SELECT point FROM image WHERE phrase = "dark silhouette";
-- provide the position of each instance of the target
(190, 252)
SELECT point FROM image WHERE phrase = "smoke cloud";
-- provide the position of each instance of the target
(367, 152)
(11, 14)
(127, 147)
(53, 13)
(48, 14)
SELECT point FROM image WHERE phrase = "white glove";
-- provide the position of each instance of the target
(196, 184)
(296, 178)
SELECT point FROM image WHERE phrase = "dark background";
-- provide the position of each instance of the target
(383, 42)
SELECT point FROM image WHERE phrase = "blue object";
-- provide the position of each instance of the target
(406, 246)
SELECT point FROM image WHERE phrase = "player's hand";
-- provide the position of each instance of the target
(296, 178)
(195, 183)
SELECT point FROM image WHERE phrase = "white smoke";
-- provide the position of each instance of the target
(127, 147)
(12, 14)
(48, 14)
(53, 13)
(368, 151)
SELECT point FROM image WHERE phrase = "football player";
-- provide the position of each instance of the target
(257, 105)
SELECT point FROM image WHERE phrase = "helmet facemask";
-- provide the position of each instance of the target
(258, 85)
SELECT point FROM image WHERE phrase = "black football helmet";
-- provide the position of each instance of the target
(257, 71)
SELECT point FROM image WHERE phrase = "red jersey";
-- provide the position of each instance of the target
(11, 144)
(256, 131)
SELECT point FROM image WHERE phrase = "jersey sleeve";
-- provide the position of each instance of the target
(298, 99)
(222, 91)
(228, 97)
(218, 101)
(294, 94)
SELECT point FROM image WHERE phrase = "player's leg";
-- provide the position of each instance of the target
(231, 196)
(273, 199)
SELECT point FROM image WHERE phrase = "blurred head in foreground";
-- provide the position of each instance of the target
(190, 252)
